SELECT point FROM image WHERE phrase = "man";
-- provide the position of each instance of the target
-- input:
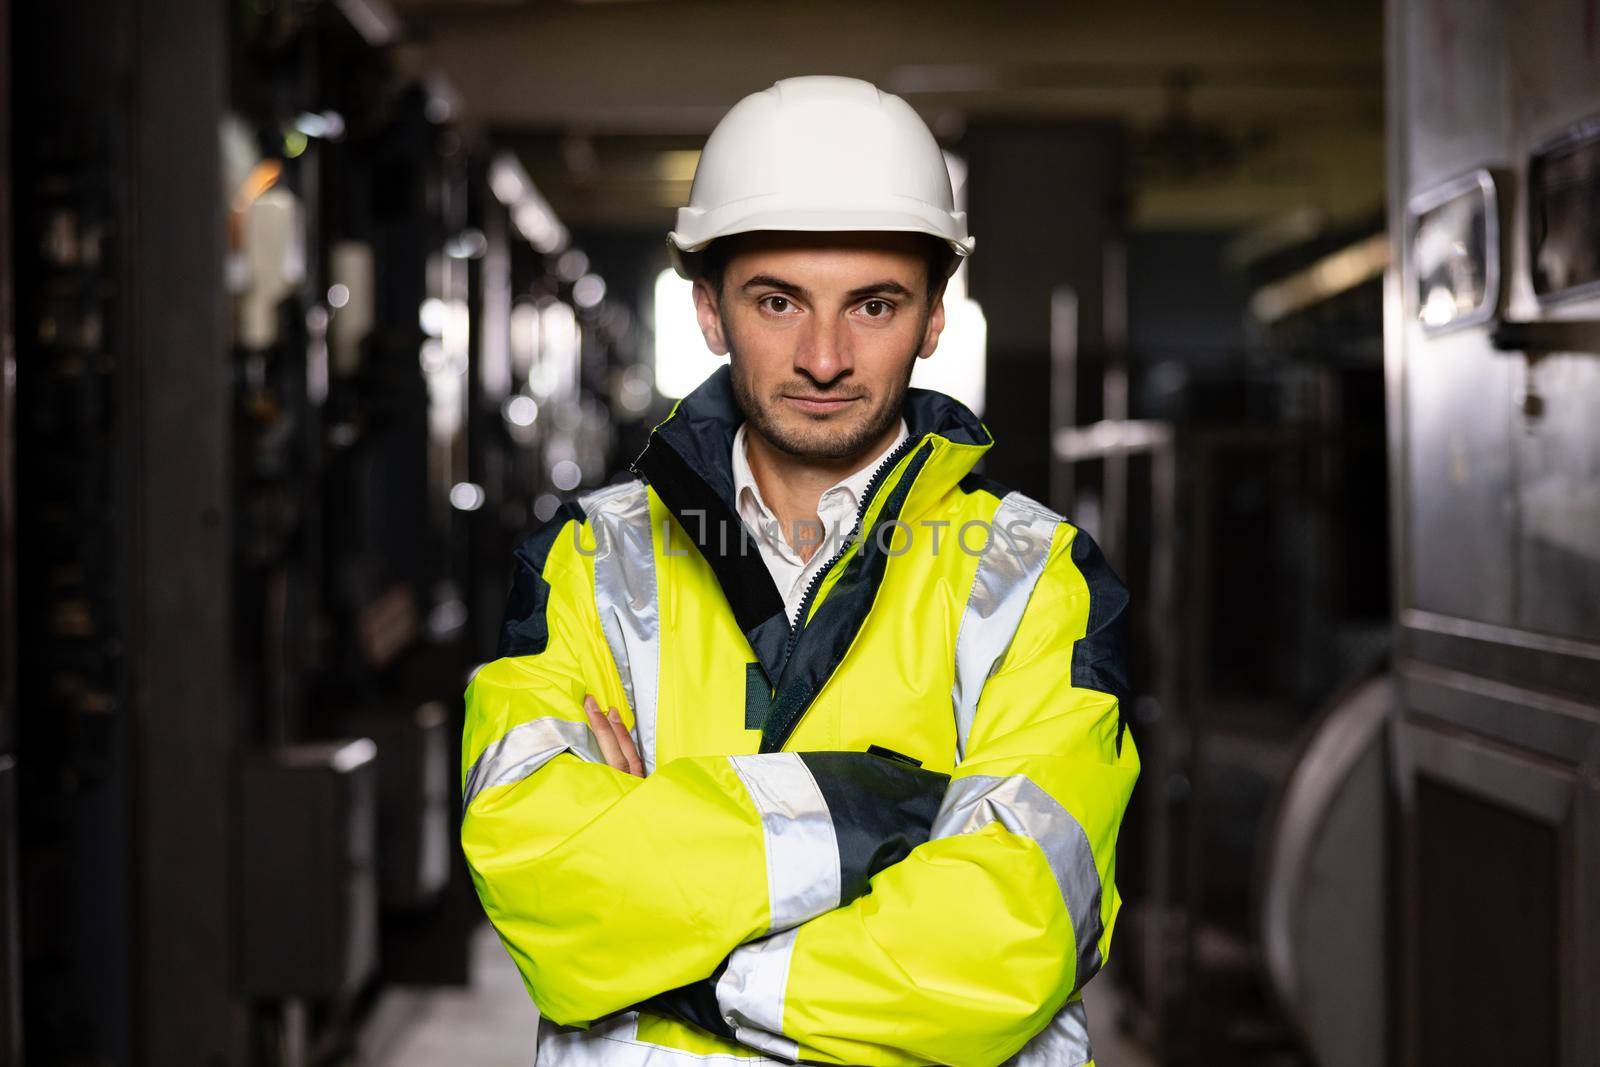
(857, 796)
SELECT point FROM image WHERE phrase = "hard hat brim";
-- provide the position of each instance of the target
(690, 238)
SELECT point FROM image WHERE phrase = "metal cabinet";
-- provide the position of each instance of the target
(1495, 458)
(308, 880)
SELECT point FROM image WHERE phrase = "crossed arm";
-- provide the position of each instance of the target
(733, 890)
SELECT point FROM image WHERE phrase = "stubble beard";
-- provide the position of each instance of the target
(818, 441)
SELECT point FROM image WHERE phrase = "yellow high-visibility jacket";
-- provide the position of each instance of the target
(884, 836)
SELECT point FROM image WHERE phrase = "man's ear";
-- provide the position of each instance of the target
(709, 316)
(935, 326)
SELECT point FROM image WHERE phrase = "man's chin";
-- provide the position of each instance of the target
(816, 439)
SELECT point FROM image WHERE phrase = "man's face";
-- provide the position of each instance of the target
(823, 330)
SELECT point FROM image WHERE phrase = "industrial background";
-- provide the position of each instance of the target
(310, 309)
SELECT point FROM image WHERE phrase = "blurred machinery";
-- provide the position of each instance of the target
(1243, 493)
(1493, 369)
(1324, 914)
(1237, 481)
(1426, 889)
(1214, 408)
(299, 358)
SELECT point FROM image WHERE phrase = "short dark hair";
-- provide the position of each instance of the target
(711, 262)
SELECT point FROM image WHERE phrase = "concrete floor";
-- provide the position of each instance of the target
(492, 1023)
(1112, 1048)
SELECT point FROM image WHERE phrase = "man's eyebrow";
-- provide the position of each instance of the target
(886, 287)
(767, 281)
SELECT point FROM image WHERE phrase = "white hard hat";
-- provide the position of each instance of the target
(819, 153)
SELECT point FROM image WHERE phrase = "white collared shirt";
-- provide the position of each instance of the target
(836, 508)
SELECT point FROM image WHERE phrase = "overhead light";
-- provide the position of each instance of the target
(678, 164)
(443, 102)
(437, 110)
(467, 496)
(635, 390)
(566, 475)
(520, 409)
(1274, 236)
(325, 125)
(530, 213)
(538, 226)
(468, 244)
(572, 265)
(507, 179)
(431, 316)
(374, 20)
(1329, 276)
(588, 290)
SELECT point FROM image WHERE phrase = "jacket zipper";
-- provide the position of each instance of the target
(882, 470)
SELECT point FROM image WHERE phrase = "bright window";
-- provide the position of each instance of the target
(682, 359)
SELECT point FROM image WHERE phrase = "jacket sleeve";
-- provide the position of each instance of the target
(969, 946)
(606, 888)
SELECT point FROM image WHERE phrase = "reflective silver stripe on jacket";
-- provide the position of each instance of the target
(974, 801)
(525, 748)
(625, 594)
(803, 877)
(1019, 543)
(1062, 1043)
(751, 990)
(615, 1042)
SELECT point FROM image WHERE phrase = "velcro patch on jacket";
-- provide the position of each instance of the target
(757, 697)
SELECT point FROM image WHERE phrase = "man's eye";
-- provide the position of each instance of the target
(877, 309)
(779, 304)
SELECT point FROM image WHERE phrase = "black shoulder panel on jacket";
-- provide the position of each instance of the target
(524, 631)
(973, 482)
(1100, 657)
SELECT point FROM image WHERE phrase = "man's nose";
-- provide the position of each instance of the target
(824, 352)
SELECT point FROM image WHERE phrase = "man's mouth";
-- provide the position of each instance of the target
(813, 404)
